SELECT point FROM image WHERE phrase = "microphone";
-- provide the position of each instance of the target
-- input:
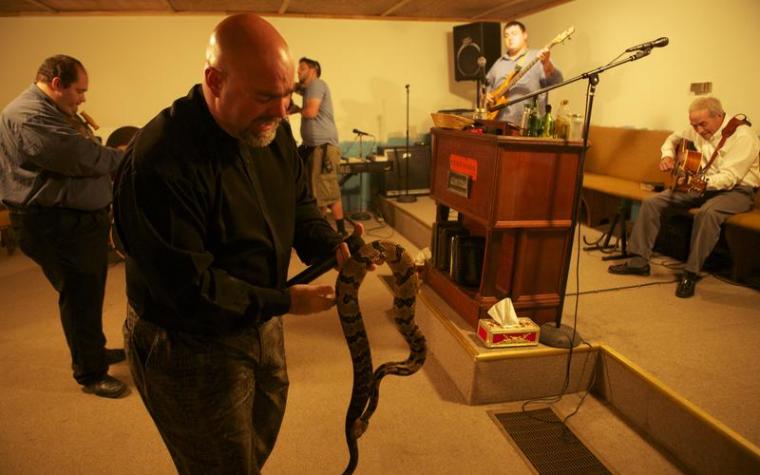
(314, 271)
(359, 132)
(482, 68)
(658, 43)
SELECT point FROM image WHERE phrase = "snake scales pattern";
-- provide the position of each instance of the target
(365, 394)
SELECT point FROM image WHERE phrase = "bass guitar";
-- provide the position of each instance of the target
(499, 95)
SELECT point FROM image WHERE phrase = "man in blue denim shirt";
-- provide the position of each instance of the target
(56, 182)
(518, 55)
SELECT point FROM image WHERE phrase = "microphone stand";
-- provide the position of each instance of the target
(480, 110)
(362, 214)
(406, 197)
(563, 335)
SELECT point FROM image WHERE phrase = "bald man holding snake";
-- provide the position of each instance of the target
(210, 200)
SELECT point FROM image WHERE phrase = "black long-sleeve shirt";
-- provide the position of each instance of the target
(208, 223)
(46, 162)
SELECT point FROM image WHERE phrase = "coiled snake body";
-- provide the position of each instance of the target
(365, 394)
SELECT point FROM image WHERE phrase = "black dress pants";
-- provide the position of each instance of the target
(218, 402)
(71, 247)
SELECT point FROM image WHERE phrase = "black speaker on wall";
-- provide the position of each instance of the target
(472, 41)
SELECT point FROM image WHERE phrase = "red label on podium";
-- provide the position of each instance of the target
(464, 165)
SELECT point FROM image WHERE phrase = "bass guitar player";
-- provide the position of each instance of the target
(516, 57)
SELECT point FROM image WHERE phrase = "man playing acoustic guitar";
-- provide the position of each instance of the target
(724, 184)
(518, 55)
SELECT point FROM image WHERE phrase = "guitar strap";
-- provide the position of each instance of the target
(519, 66)
(728, 131)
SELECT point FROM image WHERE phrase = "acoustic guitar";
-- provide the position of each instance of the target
(500, 93)
(687, 174)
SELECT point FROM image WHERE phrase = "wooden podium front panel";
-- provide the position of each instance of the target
(539, 258)
(528, 266)
(497, 279)
(481, 150)
(521, 199)
(536, 186)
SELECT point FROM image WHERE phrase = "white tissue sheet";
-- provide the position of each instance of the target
(503, 312)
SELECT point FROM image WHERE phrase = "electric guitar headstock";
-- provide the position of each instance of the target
(561, 37)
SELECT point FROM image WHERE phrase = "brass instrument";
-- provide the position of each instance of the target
(84, 124)
(89, 120)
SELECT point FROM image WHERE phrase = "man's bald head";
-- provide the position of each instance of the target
(245, 38)
(248, 77)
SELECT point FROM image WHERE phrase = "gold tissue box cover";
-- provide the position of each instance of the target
(496, 336)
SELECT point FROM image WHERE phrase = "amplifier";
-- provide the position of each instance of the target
(415, 162)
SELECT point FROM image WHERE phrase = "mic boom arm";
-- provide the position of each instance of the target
(658, 43)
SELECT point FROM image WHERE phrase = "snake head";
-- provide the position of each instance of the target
(378, 260)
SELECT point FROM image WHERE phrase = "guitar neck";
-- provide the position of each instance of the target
(524, 70)
(533, 61)
(499, 93)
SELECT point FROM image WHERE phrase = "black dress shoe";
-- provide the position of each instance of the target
(625, 269)
(107, 386)
(686, 286)
(114, 356)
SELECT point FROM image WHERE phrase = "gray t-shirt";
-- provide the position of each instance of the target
(321, 129)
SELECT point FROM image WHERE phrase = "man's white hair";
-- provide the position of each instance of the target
(708, 103)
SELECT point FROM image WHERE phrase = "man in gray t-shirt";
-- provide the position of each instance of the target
(320, 149)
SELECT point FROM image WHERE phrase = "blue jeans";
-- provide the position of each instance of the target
(218, 402)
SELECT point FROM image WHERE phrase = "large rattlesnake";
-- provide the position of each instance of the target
(365, 394)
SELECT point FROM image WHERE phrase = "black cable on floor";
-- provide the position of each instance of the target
(624, 287)
(566, 383)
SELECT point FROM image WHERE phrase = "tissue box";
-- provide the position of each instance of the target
(496, 336)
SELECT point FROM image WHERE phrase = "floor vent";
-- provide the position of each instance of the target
(548, 444)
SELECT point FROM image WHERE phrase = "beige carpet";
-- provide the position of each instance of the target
(50, 426)
(705, 348)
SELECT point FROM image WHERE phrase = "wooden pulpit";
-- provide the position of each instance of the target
(519, 193)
